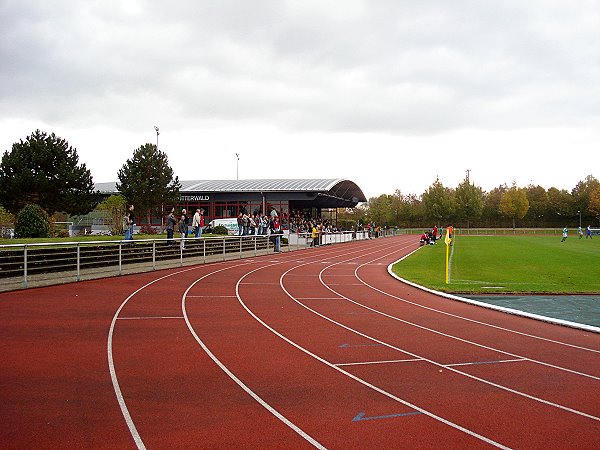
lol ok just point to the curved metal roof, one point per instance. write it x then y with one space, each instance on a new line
331 187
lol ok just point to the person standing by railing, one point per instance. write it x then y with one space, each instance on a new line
315 236
171 221
183 228
276 232
130 224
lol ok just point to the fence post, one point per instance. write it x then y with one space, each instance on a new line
223 248
120 257
25 284
78 261
204 250
240 247
153 255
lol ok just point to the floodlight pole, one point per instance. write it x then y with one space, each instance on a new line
579 212
157 133
237 167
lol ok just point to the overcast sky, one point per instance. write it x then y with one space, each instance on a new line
390 94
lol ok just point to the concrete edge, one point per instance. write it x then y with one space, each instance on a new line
516 312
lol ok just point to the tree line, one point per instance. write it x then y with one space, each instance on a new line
44 170
468 205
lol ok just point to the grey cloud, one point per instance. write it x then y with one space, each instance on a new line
394 66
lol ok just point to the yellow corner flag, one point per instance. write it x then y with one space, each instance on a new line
448 240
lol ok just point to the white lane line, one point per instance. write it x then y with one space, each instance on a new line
393 361
113 374
211 296
456 337
499 386
239 382
111 364
477 363
348 374
461 317
149 317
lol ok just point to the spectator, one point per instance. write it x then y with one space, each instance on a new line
276 232
196 223
130 224
183 228
240 224
171 221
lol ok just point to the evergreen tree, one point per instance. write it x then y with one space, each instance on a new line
44 170
147 180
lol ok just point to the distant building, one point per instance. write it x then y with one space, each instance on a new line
227 198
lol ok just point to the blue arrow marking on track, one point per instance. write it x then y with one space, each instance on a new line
360 345
361 416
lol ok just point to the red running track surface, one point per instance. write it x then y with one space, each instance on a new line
316 348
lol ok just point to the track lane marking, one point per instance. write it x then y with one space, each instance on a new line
238 381
499 386
149 317
111 365
366 363
348 374
533 336
476 363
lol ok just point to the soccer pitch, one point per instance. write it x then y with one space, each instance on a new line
508 264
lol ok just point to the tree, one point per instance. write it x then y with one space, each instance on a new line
381 210
514 203
560 204
6 222
582 193
538 202
468 199
594 208
32 222
147 180
44 170
116 205
438 202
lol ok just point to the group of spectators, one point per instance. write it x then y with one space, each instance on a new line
257 224
182 225
429 237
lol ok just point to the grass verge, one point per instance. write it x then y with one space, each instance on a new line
508 264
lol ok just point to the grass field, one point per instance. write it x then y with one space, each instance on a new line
508 264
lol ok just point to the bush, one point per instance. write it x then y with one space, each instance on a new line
148 229
220 229
32 222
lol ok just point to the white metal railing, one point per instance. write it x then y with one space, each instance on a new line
24 265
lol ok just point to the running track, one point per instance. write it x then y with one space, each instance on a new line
316 348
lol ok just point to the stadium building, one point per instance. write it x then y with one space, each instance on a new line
227 198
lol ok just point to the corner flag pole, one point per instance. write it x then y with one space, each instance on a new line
448 240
